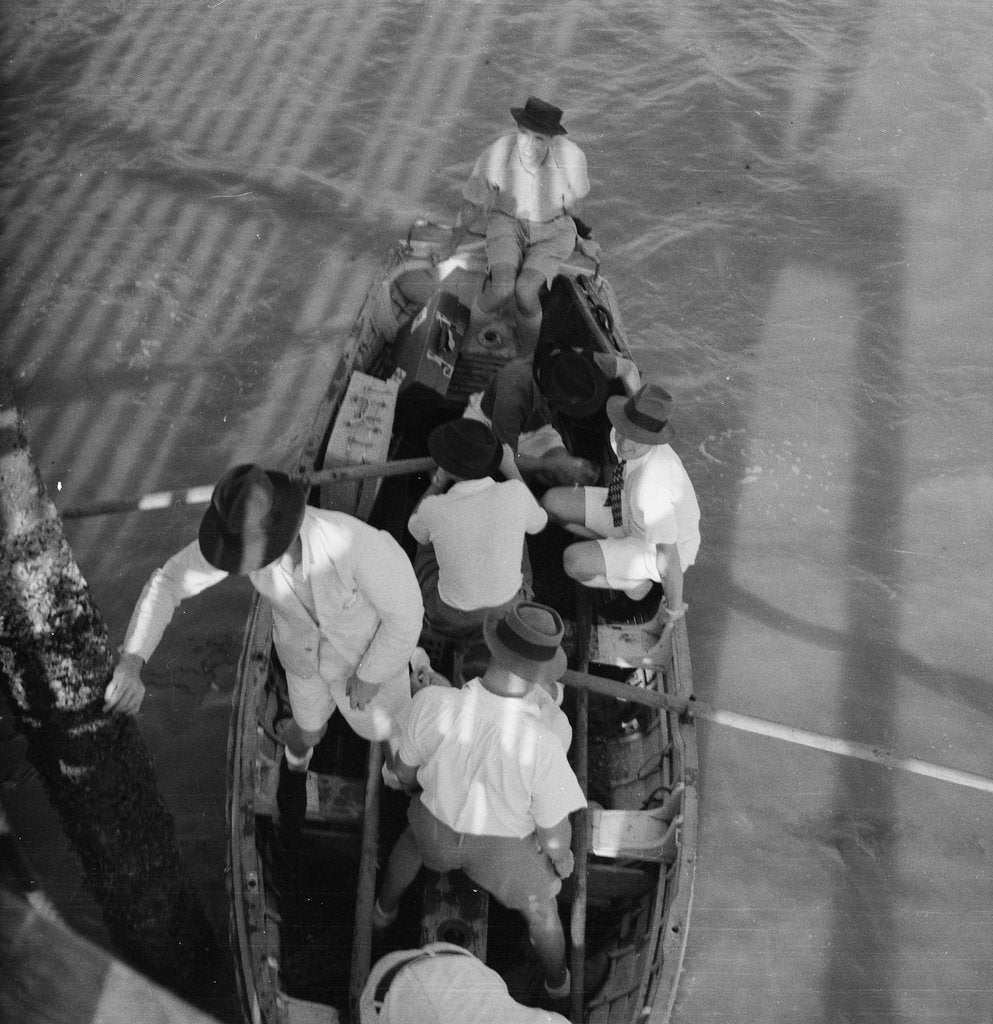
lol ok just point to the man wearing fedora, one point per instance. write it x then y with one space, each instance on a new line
645 526
529 405
529 183
497 788
346 606
471 537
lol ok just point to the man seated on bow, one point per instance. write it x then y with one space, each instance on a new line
529 183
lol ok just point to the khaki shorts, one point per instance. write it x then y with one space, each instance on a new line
514 871
530 245
626 558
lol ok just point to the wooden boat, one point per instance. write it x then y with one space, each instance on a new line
301 912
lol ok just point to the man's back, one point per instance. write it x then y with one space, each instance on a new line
477 529
486 763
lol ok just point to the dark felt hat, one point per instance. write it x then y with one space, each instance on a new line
465 448
253 518
644 416
527 641
539 116
572 384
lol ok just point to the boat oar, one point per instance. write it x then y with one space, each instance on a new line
201 495
747 723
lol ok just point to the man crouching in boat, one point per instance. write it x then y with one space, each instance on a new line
529 183
497 788
528 406
645 526
346 606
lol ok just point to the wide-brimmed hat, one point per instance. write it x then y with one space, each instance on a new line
644 416
465 448
572 383
527 641
253 518
539 116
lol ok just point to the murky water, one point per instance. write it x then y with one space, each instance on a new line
794 202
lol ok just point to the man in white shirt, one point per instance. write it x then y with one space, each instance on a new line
346 607
645 526
497 787
529 183
472 536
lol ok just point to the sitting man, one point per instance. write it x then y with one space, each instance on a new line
529 183
497 788
645 526
471 538
345 602
442 983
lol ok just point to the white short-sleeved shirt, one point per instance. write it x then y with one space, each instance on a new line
477 529
536 194
659 503
487 764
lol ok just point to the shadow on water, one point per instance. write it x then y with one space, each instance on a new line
774 205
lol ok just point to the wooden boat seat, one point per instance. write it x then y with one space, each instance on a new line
634 835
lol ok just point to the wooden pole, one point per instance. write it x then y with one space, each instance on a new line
366 887
201 495
581 837
775 730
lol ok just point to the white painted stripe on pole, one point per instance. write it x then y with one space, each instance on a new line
167 499
847 748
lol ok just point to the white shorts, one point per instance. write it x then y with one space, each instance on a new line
626 558
313 700
533 443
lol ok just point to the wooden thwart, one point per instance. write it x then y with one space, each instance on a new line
634 835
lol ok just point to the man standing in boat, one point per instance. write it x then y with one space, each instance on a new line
497 787
645 526
529 183
346 606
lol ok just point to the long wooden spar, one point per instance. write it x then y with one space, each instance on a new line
762 727
201 495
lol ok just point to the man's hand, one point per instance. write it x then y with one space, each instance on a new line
125 691
360 693
564 862
558 468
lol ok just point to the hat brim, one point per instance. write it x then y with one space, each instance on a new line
526 121
443 456
526 668
236 553
617 416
